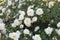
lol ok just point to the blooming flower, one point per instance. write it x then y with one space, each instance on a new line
4 31
21 12
36 28
51 3
27 22
3 10
26 31
58 0
30 12
36 37
2 26
21 26
16 21
13 25
39 11
21 17
58 31
48 31
9 2
14 35
34 19
58 24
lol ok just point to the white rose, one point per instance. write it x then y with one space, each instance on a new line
21 17
26 31
3 10
36 37
58 0
39 11
58 31
48 31
8 12
51 3
13 25
58 24
9 2
27 22
16 22
30 12
34 19
14 35
4 31
36 28
21 12
2 26
21 26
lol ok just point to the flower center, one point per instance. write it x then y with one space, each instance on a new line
30 11
14 36
49 31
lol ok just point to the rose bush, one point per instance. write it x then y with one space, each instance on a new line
29 19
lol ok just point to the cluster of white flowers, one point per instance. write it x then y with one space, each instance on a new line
24 19
16 23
